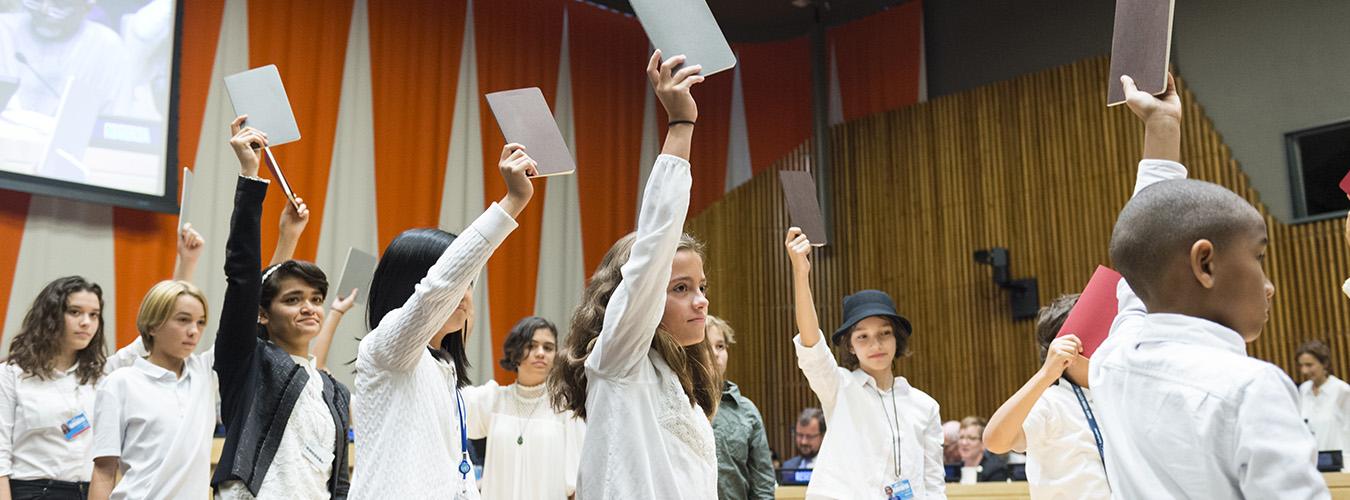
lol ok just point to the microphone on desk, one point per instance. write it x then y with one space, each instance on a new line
24 61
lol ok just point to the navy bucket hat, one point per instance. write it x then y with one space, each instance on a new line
865 304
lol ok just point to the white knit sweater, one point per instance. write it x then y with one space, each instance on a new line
404 409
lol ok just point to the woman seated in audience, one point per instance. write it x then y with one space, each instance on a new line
532 451
153 420
1324 399
977 463
47 393
885 436
286 421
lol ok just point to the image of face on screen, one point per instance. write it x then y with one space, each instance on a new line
84 90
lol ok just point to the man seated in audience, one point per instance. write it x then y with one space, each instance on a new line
977 463
810 433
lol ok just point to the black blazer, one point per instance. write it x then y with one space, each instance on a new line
992 467
259 382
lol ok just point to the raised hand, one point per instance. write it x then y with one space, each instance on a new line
190 243
246 141
343 304
516 167
1149 107
294 220
1062 354
798 249
672 87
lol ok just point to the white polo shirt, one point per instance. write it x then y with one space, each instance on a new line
160 426
1062 458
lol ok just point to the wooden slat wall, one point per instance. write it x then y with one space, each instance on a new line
1037 165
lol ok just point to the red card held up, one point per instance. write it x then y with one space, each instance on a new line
1096 309
1345 184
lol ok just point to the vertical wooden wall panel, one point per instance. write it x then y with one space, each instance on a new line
1036 165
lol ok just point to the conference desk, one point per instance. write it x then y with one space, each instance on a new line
1339 483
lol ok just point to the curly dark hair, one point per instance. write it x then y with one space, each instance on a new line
513 350
35 347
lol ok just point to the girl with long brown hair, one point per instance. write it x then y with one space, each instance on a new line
47 393
637 365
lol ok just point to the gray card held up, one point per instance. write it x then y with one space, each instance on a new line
356 273
183 203
525 118
259 94
1141 46
799 189
686 27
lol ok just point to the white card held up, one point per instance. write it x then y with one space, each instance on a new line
686 27
356 273
183 201
259 94
525 118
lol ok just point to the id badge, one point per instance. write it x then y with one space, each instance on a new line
75 426
899 490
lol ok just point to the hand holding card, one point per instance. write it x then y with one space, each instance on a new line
686 27
260 101
1096 309
525 119
799 189
1141 46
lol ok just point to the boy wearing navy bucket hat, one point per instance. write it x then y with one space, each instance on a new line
885 439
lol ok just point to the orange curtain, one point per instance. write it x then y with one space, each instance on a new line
776 85
13 218
878 59
415 54
708 155
308 43
607 117
144 245
518 42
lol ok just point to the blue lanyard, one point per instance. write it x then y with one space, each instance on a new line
1092 420
464 466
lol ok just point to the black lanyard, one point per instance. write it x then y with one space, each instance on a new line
893 425
1091 419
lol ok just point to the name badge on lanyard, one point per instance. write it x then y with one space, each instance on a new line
75 426
899 490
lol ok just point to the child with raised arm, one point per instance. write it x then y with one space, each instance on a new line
1185 412
409 417
637 365
885 438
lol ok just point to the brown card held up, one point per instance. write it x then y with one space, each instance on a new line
1141 46
799 189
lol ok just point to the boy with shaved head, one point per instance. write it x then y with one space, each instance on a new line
1185 412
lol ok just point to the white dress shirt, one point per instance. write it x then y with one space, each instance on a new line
532 451
1327 413
304 459
1184 411
404 411
159 425
857 457
32 411
1062 459
643 438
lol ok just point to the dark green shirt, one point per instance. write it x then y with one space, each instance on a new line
744 466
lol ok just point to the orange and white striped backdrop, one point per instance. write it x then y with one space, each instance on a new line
397 135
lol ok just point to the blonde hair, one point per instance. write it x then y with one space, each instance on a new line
692 364
723 328
158 306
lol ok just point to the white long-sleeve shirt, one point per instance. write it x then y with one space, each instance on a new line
405 413
1327 413
1185 413
857 458
643 439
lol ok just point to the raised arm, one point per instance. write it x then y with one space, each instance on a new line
190 246
292 225
637 304
804 303
1004 432
324 340
398 341
237 335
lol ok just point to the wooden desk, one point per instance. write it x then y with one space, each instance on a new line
1338 482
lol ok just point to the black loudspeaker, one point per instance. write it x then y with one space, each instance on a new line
1025 300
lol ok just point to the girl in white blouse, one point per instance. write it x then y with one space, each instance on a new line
885 439
532 451
407 410
47 393
637 365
